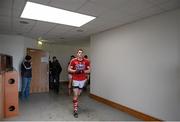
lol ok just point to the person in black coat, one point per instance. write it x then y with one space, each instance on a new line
50 74
56 71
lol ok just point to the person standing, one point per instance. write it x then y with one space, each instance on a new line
79 67
50 74
56 71
26 73
70 77
88 77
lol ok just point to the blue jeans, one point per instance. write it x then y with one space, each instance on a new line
25 87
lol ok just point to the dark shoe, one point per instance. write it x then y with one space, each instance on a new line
75 114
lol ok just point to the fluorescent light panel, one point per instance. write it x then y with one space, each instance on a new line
50 14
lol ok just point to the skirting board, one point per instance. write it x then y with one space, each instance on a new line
130 111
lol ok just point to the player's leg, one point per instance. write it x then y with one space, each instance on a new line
69 84
81 86
75 97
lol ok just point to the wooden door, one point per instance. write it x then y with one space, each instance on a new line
40 68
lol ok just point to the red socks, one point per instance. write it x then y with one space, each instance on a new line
75 104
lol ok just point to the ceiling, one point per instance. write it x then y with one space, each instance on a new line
109 13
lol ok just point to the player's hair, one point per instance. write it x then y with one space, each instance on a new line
80 50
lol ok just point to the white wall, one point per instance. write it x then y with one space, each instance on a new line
16 46
138 65
63 53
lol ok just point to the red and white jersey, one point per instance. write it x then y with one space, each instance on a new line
81 65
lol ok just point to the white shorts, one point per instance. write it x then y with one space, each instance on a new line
78 84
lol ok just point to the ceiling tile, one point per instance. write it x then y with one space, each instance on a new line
172 4
42 28
16 13
6 4
135 6
158 1
5 12
19 4
113 15
71 5
32 35
22 28
149 12
92 9
59 29
50 36
44 2
110 4
5 26
109 13
75 33
5 19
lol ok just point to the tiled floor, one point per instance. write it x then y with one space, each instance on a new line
52 107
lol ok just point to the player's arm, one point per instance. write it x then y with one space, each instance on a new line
70 68
87 71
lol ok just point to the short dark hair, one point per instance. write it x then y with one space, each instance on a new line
72 56
28 57
85 56
54 57
80 50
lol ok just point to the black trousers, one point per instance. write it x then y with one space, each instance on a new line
50 81
55 79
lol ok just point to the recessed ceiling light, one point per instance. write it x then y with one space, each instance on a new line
23 22
50 14
80 30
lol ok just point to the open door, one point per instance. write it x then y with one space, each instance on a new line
40 70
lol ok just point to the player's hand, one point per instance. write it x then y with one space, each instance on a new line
79 71
80 68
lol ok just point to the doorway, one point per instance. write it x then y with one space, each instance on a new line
40 70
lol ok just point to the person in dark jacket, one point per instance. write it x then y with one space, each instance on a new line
70 78
50 74
26 73
56 70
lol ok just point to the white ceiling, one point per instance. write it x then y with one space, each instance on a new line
109 13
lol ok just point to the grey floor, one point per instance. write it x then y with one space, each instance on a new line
52 107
